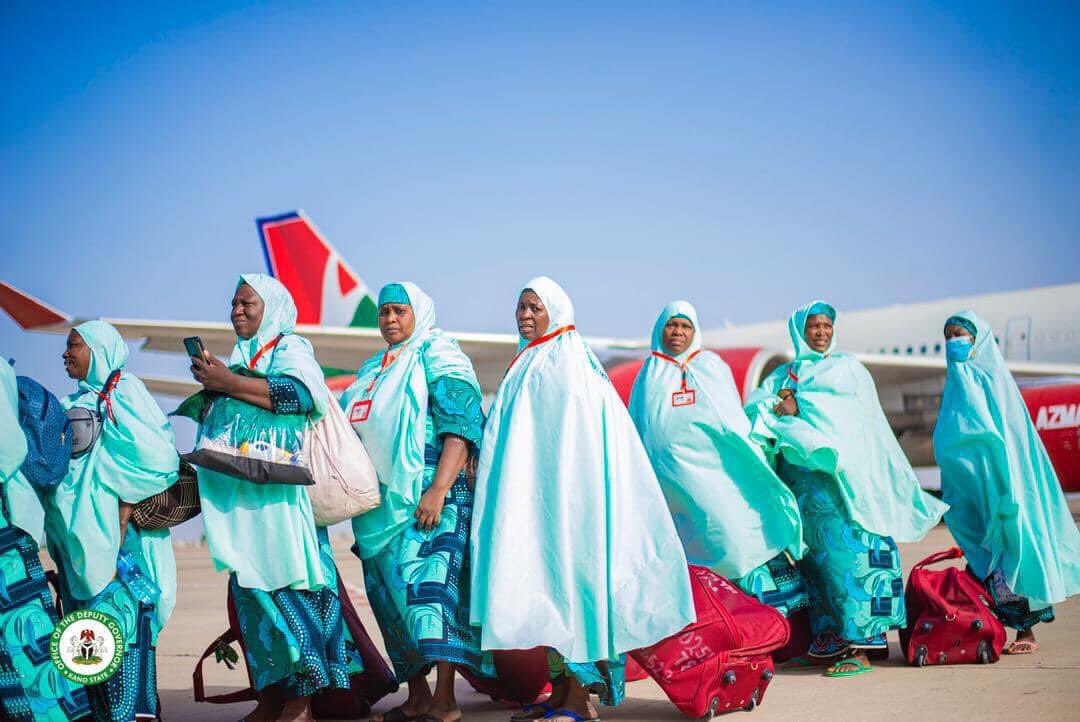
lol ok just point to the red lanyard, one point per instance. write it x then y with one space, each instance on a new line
105 395
791 375
542 339
266 347
682 365
387 359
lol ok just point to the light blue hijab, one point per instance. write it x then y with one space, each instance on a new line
133 459
393 384
1007 509
842 431
732 512
572 543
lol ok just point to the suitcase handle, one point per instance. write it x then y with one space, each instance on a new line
240 695
953 553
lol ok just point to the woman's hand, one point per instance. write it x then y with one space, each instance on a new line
211 373
429 511
787 407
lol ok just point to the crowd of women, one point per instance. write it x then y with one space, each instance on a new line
559 519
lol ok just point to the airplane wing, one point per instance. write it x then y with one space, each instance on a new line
335 347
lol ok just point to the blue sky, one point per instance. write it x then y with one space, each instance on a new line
745 156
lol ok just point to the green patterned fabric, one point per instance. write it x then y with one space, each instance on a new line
297 637
853 576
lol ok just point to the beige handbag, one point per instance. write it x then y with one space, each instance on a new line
345 480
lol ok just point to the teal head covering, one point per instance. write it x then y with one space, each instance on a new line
108 353
134 458
1007 509
388 406
293 356
562 473
964 322
797 330
676 309
731 511
394 293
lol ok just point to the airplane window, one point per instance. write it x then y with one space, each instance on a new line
895 349
883 349
937 348
922 349
909 349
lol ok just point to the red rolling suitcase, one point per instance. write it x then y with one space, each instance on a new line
950 617
722 662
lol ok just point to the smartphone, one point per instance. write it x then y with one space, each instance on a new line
195 347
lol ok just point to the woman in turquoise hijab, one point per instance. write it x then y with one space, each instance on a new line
733 514
417 408
820 418
281 569
31 688
1007 511
573 546
105 563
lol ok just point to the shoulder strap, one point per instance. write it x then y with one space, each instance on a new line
953 553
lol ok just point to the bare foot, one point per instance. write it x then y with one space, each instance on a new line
444 712
296 710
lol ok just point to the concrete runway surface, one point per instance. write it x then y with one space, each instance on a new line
1043 686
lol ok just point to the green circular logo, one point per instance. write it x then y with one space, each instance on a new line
87 646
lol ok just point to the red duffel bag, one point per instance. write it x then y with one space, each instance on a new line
722 662
950 617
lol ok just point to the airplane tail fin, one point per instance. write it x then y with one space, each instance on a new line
326 290
32 314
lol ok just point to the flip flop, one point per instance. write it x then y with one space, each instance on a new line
860 668
571 715
521 715
398 715
1024 646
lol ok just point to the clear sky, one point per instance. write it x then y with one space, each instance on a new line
745 156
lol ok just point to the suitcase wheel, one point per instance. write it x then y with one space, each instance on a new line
943 658
767 675
752 703
920 656
729 677
977 625
711 712
983 653
925 627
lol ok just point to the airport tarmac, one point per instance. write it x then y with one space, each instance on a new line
1043 686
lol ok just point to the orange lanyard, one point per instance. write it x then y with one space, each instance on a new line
538 341
682 365
387 359
269 345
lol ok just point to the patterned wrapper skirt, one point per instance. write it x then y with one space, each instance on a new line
296 638
1012 609
853 576
31 688
777 583
418 587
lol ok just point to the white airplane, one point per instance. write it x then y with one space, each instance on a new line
1039 331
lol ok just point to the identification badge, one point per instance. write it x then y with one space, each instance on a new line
683 398
360 411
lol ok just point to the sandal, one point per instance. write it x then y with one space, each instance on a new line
570 715
525 714
860 668
399 715
1022 646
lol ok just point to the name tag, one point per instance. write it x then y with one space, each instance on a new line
360 411
684 398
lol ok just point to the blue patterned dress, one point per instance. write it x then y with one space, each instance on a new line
418 585
853 576
296 638
31 688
